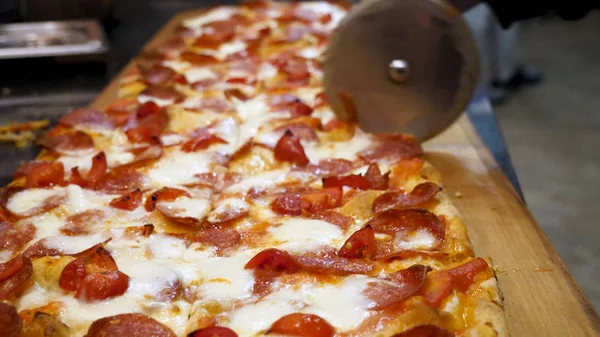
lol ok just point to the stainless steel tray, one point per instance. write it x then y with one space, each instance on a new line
52 38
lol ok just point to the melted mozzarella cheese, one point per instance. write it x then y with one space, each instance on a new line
178 168
30 199
158 101
302 235
261 180
188 207
176 65
198 74
266 71
310 52
344 150
420 239
79 200
341 304
73 244
229 205
217 14
223 278
84 163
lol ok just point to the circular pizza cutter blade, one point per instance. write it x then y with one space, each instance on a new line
401 66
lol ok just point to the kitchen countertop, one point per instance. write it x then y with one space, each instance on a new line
46 88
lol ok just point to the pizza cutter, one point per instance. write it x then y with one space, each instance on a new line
402 65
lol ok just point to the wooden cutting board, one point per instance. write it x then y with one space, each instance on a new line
540 296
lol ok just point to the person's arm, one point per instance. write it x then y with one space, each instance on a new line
509 11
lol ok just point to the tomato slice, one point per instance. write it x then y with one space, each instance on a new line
273 260
321 200
72 275
102 285
289 149
49 174
129 201
305 325
354 181
98 169
361 244
164 194
213 331
102 260
202 140
439 285
76 177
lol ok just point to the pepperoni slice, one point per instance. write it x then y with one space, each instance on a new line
273 260
164 194
328 167
330 263
213 104
150 122
72 275
24 169
301 130
404 284
163 93
361 244
157 75
426 330
13 237
354 181
202 139
132 325
204 84
421 193
215 33
294 67
392 147
338 219
378 181
287 204
291 104
80 224
120 181
13 274
213 331
461 277
221 238
40 249
289 149
88 118
305 325
144 156
102 285
10 321
129 201
198 59
172 47
402 220
49 174
69 143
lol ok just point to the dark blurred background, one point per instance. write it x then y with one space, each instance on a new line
551 129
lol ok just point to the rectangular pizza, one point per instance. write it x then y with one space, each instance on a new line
220 196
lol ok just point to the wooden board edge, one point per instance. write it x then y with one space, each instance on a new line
500 180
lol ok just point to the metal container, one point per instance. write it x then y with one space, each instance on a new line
38 10
52 39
